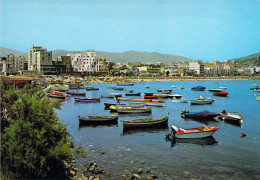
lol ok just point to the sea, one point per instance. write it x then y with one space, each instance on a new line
225 155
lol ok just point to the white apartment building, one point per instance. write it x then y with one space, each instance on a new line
87 62
40 60
197 66
11 64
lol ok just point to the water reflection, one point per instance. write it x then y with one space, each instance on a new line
208 141
84 126
133 131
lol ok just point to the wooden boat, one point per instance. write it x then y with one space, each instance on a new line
98 119
151 97
119 89
140 100
148 94
223 88
114 108
158 104
197 132
215 90
111 87
107 105
107 96
256 90
175 96
258 97
56 94
91 89
174 86
134 109
200 114
124 98
133 94
182 87
163 90
76 93
166 92
221 93
87 99
198 88
202 101
148 122
162 95
180 100
231 116
125 84
116 94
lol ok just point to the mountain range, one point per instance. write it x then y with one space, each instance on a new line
129 56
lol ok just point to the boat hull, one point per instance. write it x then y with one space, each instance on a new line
97 120
200 132
134 110
196 102
135 123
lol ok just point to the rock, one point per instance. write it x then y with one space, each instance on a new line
140 170
91 169
137 176
91 178
132 162
107 173
97 178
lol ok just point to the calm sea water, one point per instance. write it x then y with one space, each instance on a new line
226 155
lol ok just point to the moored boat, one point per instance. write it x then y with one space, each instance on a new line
176 96
91 89
148 122
223 87
76 93
133 94
124 98
181 100
134 109
198 88
148 94
221 93
163 90
151 97
231 116
215 90
107 105
107 95
147 86
255 88
114 108
202 101
125 84
158 104
87 99
197 132
119 89
162 95
56 94
199 114
140 100
98 119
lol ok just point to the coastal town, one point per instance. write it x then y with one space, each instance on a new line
40 63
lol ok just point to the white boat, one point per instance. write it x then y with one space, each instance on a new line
147 86
124 98
256 90
231 116
258 97
215 90
176 96
116 94
197 132
174 86
158 104
134 109
223 88
180 100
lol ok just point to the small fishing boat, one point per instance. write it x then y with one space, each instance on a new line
91 89
163 90
140 100
120 89
111 87
133 94
231 116
223 87
125 84
181 100
134 109
158 104
98 119
258 97
56 94
162 95
182 87
221 93
151 97
87 99
198 88
200 114
124 98
175 96
201 101
113 108
256 90
148 94
166 92
116 94
197 132
174 86
148 122
215 90
107 105
107 96
147 86
76 93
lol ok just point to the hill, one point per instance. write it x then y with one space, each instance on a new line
129 56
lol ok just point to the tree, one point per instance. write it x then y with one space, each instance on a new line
167 73
35 144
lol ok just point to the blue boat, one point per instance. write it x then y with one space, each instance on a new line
198 88
200 114
133 94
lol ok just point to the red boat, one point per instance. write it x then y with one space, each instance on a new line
150 97
221 93
56 94
148 94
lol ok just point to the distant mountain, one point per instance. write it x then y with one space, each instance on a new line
6 51
249 61
129 56
256 55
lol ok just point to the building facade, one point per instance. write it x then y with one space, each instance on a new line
10 64
197 67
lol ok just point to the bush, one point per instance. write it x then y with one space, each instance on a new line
35 144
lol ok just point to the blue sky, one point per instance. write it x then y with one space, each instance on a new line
197 29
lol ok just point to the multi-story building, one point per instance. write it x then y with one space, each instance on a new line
197 67
11 64
88 63
40 60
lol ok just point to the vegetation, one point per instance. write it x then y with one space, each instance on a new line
34 143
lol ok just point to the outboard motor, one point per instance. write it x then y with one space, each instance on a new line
185 111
